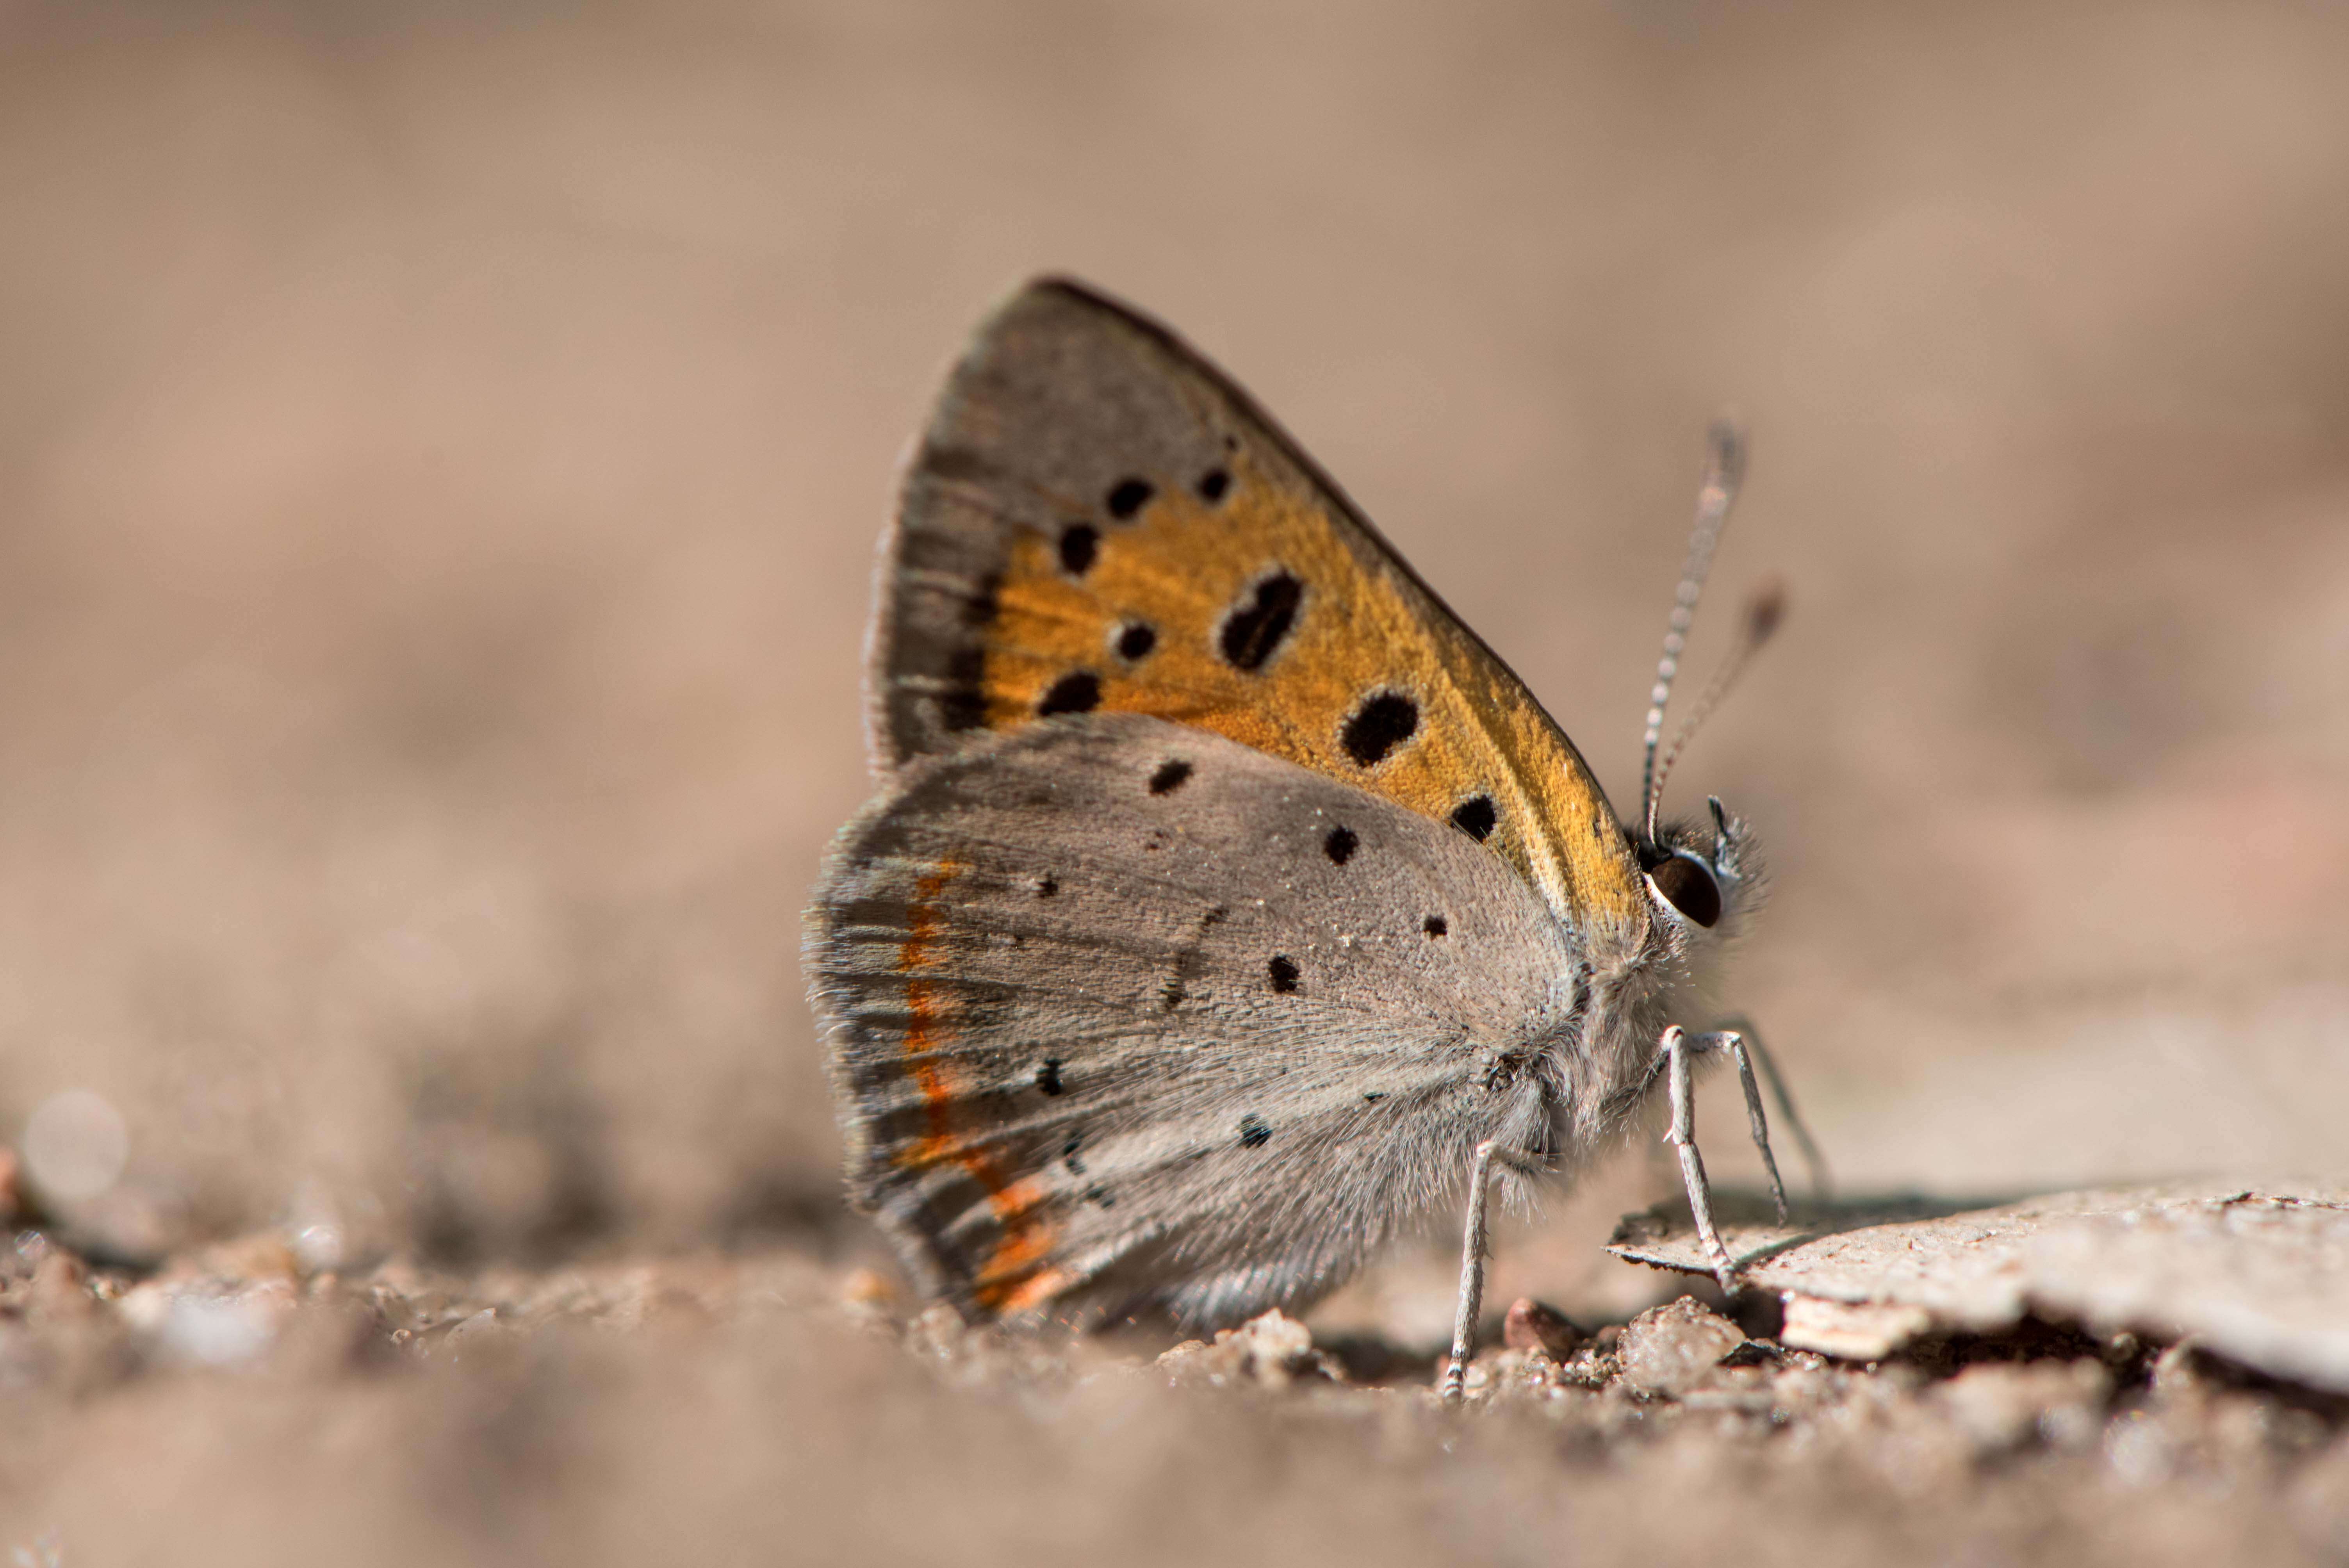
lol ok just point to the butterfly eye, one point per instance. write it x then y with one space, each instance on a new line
1689 888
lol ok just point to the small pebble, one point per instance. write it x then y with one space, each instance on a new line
1530 1326
1669 1349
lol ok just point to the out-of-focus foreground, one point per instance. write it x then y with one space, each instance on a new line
441 449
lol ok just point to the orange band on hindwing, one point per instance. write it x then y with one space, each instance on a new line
1013 1277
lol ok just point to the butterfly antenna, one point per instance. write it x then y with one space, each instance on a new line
1725 465
1763 611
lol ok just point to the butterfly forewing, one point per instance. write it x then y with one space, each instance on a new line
1098 520
1126 1014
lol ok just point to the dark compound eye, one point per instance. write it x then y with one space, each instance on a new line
1689 888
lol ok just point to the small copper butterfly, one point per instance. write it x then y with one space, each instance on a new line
1226 903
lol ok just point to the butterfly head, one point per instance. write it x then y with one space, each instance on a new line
1703 879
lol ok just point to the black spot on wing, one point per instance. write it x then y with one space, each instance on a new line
1080 546
1254 1131
1476 816
1256 626
1048 1076
1135 639
1339 845
1046 887
1435 925
1213 485
1379 725
1128 496
1079 691
1283 972
1169 777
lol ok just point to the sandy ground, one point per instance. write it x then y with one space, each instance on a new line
441 449
765 1406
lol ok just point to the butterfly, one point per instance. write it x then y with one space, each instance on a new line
1226 905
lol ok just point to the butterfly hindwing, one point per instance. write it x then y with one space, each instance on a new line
1124 1014
1098 520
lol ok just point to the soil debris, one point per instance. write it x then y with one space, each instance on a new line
1271 1350
2254 1272
1672 1348
608 1411
1531 1325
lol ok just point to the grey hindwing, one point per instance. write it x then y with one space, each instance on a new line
1124 1015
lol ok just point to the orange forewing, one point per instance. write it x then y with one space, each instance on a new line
1184 565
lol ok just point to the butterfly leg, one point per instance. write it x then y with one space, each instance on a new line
1472 1263
1678 1048
1737 1046
1816 1162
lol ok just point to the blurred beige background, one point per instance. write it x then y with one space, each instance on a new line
441 449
